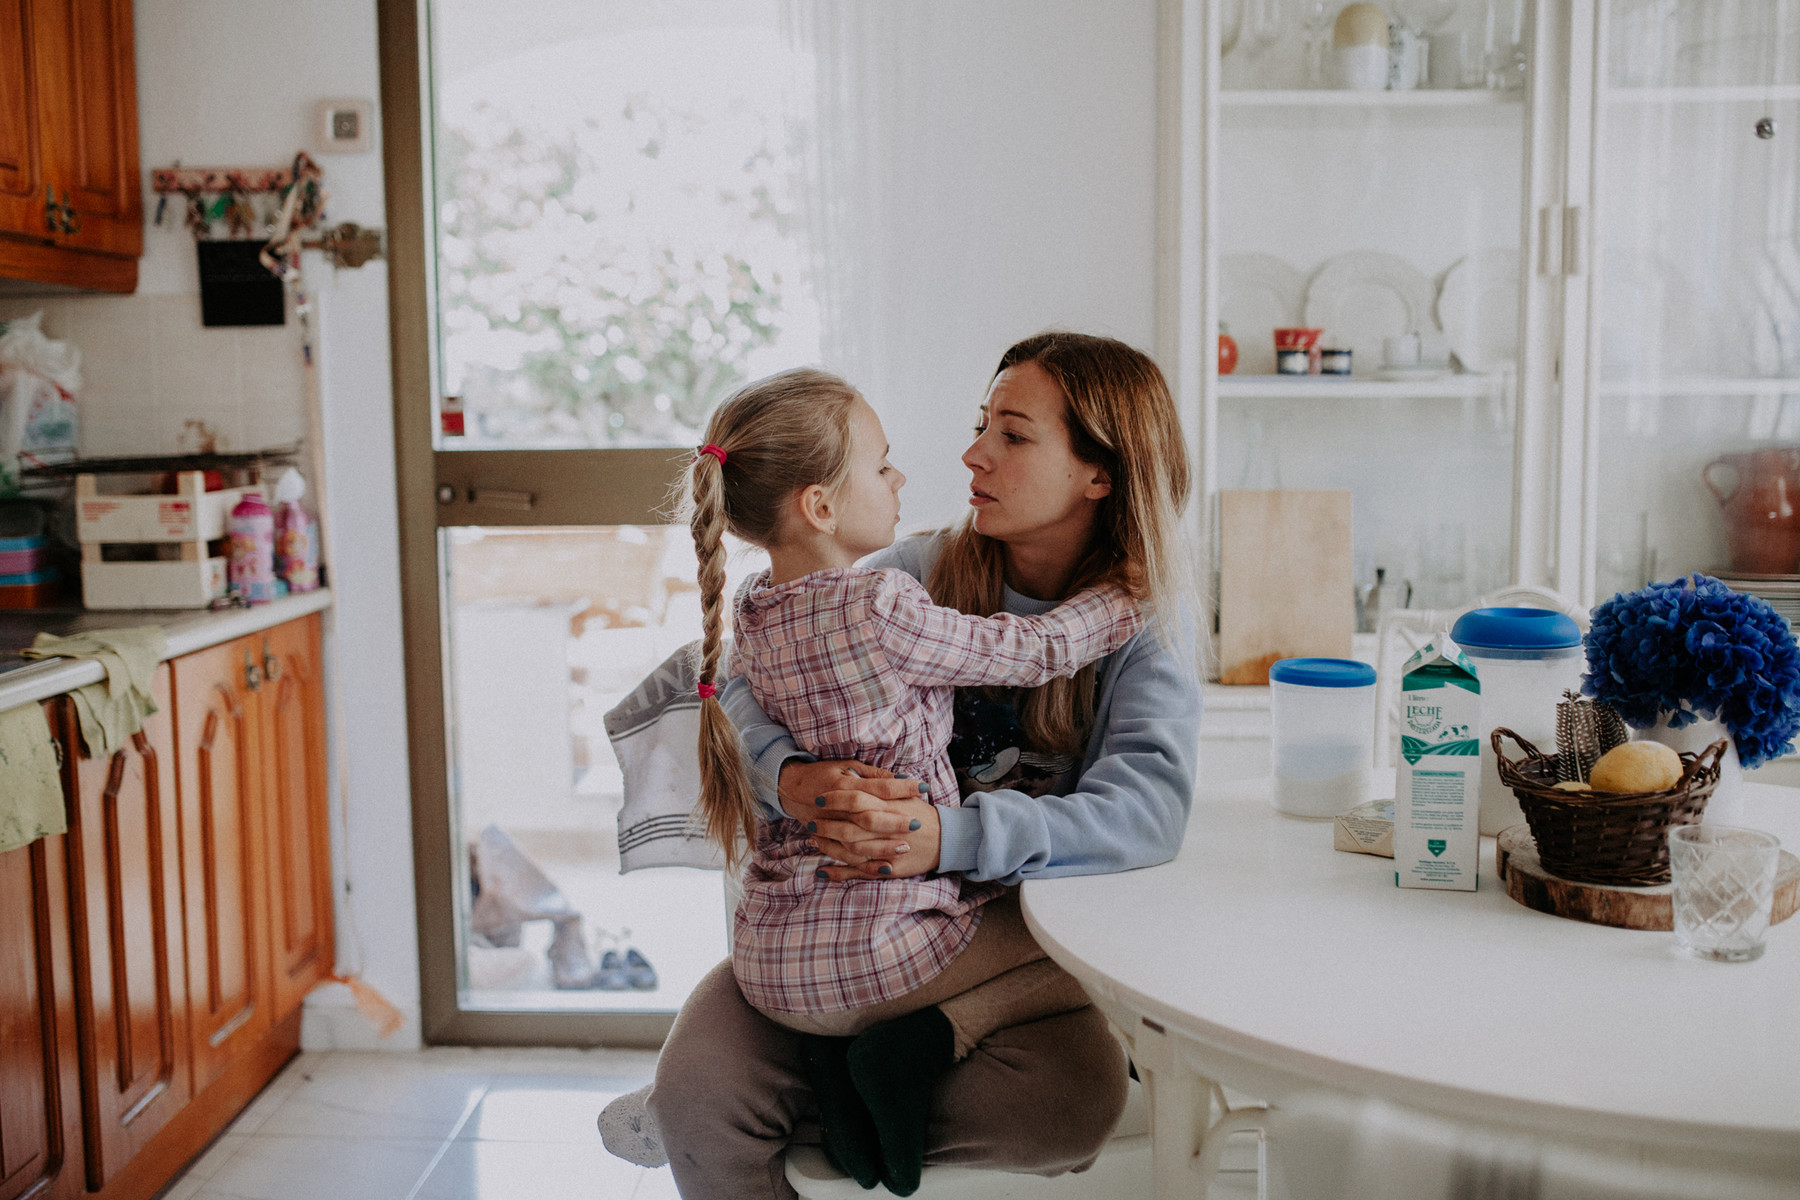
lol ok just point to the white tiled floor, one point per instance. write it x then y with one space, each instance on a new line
443 1124
450 1124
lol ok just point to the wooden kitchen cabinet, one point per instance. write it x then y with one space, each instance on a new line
298 822
71 204
40 1087
229 981
153 959
125 901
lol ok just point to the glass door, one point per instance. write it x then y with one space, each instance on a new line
1372 171
608 249
1693 377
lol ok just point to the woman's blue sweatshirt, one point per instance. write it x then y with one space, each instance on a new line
1133 788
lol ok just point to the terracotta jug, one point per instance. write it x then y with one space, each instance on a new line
1762 508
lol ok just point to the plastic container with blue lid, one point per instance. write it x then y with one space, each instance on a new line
1322 735
1526 658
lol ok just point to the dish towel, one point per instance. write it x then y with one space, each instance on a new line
31 798
655 732
114 709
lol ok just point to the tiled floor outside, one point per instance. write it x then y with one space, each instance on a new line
451 1124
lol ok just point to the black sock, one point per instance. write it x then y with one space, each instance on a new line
845 1128
896 1065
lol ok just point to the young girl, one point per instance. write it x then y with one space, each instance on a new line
859 664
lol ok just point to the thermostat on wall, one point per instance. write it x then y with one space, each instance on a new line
343 125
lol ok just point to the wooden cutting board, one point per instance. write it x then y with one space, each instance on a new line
1285 586
1527 882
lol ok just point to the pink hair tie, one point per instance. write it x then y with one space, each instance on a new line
707 691
713 450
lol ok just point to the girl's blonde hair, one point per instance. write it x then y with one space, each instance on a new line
779 436
1121 418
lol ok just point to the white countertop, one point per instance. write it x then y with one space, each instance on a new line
1262 946
187 632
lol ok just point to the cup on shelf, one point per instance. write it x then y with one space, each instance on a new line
1359 42
1401 350
1334 361
1454 61
1297 350
1723 889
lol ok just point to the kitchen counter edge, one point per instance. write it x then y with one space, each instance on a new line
186 634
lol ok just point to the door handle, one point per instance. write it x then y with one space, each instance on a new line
253 675
1574 234
502 498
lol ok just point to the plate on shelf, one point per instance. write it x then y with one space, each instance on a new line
1364 297
1258 294
1478 307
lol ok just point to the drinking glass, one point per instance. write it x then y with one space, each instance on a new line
1724 888
1316 18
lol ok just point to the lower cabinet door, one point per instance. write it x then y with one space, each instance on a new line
222 836
131 988
40 1088
296 809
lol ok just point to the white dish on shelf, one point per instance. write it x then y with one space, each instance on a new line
1478 307
1364 297
1258 294
1411 374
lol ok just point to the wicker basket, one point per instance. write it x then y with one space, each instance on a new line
1601 837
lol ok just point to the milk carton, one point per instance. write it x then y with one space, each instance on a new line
1437 832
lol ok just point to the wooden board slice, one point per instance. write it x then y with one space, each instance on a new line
1285 583
1606 904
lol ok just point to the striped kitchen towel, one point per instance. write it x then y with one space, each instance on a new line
655 733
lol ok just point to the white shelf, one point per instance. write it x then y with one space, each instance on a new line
1700 387
1344 98
1700 95
1365 387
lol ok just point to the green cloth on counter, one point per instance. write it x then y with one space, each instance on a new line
113 710
31 797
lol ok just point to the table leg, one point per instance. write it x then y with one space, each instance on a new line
1186 1139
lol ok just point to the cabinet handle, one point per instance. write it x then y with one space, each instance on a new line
71 218
1574 234
52 210
253 676
1550 240
271 666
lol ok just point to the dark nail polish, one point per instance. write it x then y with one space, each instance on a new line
812 827
924 788
821 873
885 871
819 800
900 776
914 825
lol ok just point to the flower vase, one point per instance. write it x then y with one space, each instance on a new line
1726 806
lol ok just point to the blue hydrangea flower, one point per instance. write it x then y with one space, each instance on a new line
1695 649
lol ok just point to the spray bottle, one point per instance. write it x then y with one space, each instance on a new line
296 535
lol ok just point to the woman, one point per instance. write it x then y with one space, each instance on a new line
1077 468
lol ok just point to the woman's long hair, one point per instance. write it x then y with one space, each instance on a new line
779 436
1121 418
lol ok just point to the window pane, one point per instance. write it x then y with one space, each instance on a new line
617 233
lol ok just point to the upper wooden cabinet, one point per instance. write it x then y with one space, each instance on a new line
71 202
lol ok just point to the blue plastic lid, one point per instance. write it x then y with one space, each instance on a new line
42 575
7 545
1323 672
1515 629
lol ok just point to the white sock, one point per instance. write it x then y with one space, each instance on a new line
629 1131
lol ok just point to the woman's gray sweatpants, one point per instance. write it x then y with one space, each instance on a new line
731 1093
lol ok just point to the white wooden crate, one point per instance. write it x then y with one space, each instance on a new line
191 514
191 583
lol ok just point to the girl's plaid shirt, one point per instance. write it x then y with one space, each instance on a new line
860 664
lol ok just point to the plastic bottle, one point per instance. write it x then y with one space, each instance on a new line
296 535
251 569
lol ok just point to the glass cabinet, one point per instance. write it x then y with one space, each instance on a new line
1693 329
1559 243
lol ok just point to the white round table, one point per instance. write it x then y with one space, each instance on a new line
1264 960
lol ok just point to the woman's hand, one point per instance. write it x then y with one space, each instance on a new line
863 817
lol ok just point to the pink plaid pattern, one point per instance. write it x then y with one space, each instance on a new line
859 663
